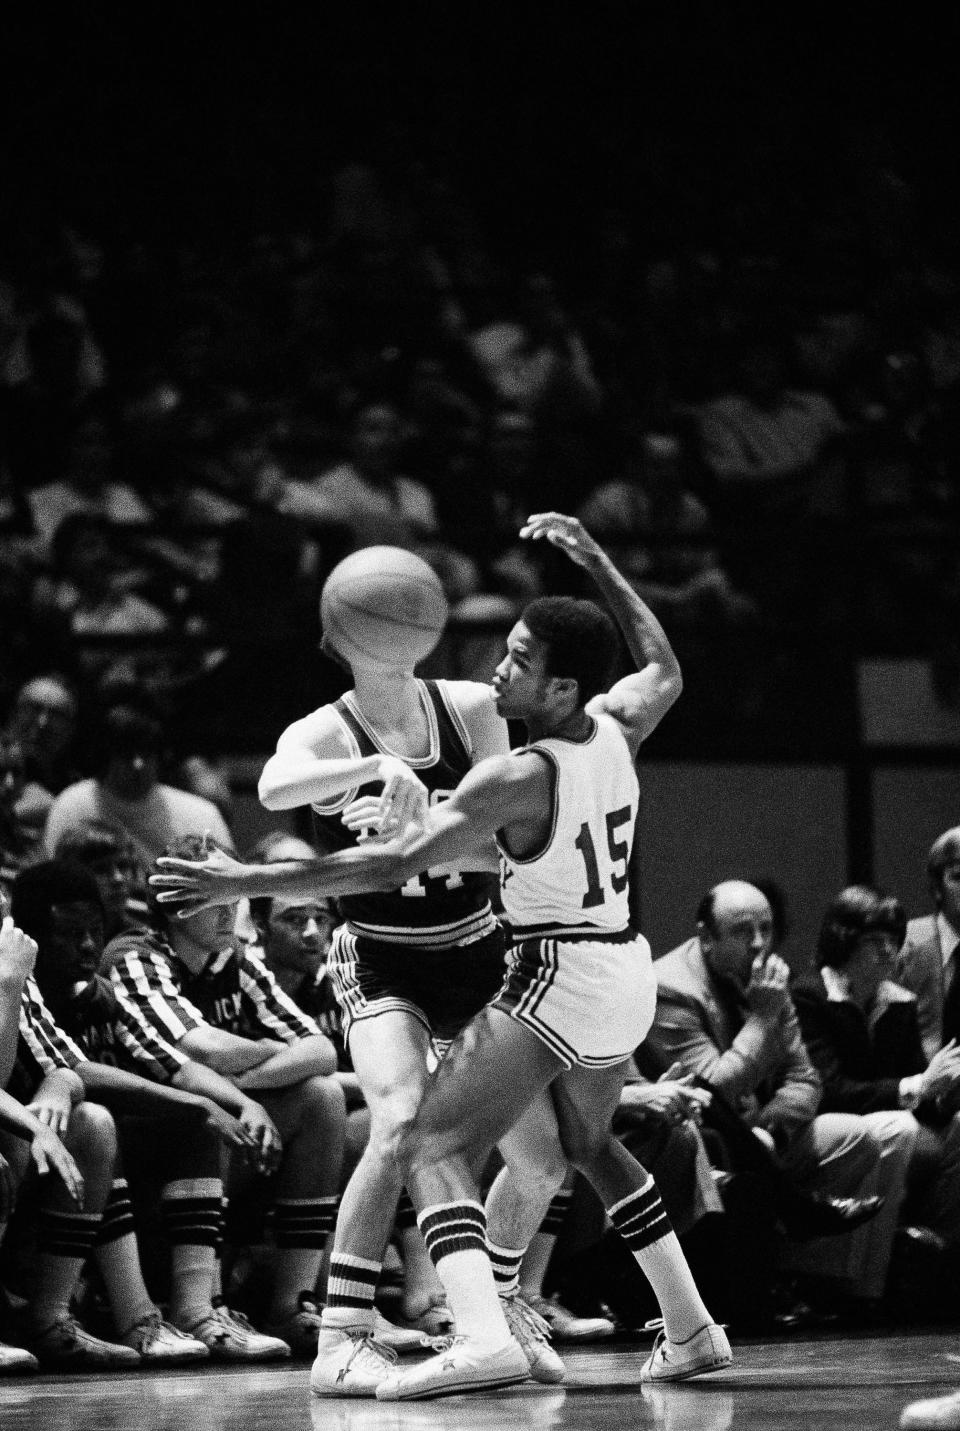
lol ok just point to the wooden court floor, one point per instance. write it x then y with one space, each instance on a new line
830 1385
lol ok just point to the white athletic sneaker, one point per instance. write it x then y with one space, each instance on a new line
707 1350
398 1339
462 1367
162 1344
940 1413
229 1336
566 1326
349 1364
533 1334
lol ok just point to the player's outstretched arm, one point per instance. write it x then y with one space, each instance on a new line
639 701
497 792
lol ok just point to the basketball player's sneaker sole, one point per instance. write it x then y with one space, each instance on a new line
707 1350
462 1367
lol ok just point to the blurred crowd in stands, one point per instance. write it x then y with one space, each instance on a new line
757 413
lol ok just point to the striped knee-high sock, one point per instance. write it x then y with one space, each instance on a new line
118 1258
505 1262
351 1288
642 1222
192 1213
64 1242
456 1237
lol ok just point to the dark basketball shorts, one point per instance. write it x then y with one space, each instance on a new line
443 988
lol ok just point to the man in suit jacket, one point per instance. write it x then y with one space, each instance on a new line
724 1013
929 959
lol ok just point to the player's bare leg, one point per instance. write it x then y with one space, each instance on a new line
585 1101
492 1072
389 1055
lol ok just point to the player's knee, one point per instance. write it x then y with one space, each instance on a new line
542 1176
321 1103
585 1146
392 1132
92 1134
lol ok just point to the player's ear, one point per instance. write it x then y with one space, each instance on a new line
566 688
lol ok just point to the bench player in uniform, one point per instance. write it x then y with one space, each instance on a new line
409 965
581 992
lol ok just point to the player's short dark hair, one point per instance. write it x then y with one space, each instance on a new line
855 911
39 887
581 641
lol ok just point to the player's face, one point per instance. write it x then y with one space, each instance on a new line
74 946
114 875
298 934
211 928
520 682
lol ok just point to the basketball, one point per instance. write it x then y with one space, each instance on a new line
383 604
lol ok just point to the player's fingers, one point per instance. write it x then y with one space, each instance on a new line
183 881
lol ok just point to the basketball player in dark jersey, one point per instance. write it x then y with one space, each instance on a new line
410 967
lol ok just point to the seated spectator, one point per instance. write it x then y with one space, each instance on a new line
172 1116
86 586
104 849
929 960
127 791
724 1014
88 487
220 1006
660 535
45 1125
43 718
862 1033
764 446
17 843
376 503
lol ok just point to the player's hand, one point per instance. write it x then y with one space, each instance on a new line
52 1106
404 799
567 533
49 1154
768 990
229 1129
942 1072
261 1132
18 953
192 885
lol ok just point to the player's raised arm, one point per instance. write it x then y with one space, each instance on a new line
639 701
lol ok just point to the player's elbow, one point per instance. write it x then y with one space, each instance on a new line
270 791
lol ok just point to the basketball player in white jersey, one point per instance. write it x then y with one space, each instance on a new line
581 992
408 965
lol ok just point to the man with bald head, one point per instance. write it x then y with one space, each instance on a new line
930 958
724 1013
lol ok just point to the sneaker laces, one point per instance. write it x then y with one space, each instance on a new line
148 1329
526 1320
366 1347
